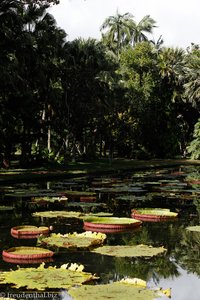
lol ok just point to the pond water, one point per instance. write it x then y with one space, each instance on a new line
176 188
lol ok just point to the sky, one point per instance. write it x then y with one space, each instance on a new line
178 21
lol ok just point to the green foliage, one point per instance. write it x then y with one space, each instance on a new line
66 100
194 147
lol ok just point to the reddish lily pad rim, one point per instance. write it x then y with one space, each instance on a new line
121 223
153 214
28 261
12 253
28 230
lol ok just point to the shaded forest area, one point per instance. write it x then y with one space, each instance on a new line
122 96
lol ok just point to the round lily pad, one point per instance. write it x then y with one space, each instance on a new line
149 214
75 240
30 230
27 253
42 278
193 228
6 208
57 214
132 289
130 251
27 261
110 222
88 199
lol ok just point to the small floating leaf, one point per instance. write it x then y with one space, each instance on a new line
131 251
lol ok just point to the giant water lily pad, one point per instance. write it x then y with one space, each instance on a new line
42 278
25 252
85 204
193 228
74 240
57 214
18 231
130 251
126 289
6 208
160 214
111 222
61 199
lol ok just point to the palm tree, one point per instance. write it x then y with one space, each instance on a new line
170 62
118 31
192 77
122 30
139 31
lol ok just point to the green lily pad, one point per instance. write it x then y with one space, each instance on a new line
110 220
75 240
6 208
154 212
50 199
117 291
102 223
85 204
100 214
193 228
2 298
130 251
42 278
25 252
58 214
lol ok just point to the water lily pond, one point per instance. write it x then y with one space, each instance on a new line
100 250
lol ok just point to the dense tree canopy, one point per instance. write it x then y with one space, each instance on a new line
123 95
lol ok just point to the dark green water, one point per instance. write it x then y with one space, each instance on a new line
178 269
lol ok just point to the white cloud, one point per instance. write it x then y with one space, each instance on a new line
177 20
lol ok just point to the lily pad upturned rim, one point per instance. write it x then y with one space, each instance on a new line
110 222
28 261
37 253
153 214
28 230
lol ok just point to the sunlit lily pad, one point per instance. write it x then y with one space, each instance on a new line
25 252
146 214
100 214
57 214
75 240
85 204
130 251
111 222
6 208
46 199
7 298
132 289
42 278
194 228
28 230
